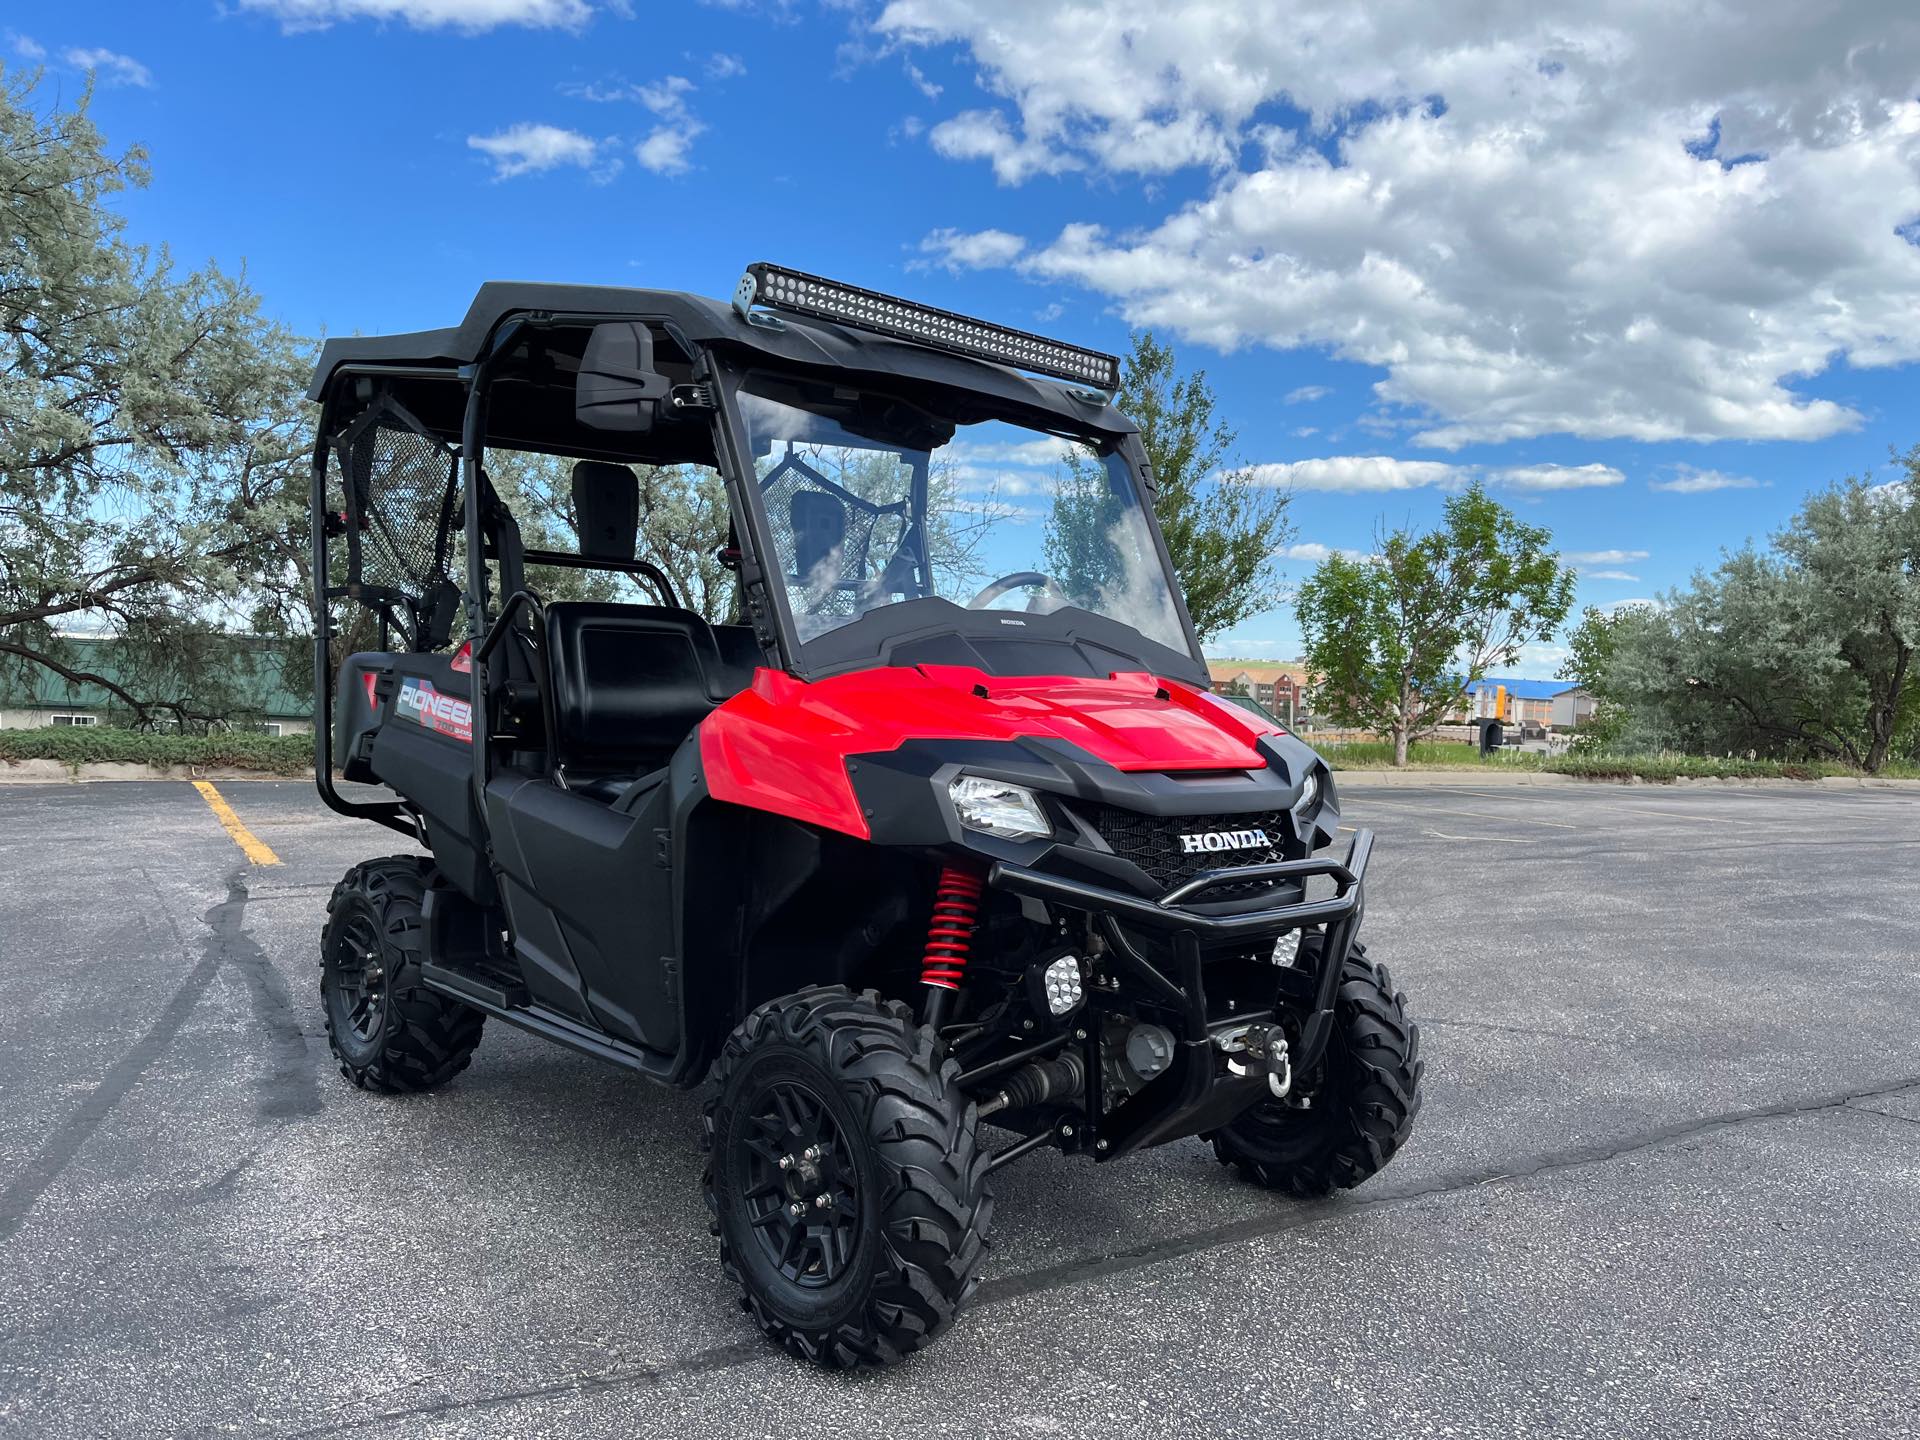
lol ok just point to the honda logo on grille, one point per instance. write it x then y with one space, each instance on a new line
1225 840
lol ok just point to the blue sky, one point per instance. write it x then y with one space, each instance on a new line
1651 278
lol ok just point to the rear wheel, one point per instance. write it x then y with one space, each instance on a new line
1341 1125
844 1177
386 1028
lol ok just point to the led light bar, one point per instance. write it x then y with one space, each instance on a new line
802 294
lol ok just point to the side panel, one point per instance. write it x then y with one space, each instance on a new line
589 893
404 720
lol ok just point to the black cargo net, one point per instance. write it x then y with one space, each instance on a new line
826 538
402 496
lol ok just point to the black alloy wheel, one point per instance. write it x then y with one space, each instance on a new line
356 980
801 1186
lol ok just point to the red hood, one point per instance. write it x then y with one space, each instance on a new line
783 744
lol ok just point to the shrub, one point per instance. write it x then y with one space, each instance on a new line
85 745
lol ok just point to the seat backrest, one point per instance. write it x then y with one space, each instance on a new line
629 681
606 509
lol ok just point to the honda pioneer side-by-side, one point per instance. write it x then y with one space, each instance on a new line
926 847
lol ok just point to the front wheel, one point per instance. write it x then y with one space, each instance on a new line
844 1176
1342 1124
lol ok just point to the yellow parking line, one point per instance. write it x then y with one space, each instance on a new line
251 844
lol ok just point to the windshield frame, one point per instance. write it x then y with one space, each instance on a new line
870 640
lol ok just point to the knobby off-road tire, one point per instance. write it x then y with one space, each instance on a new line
386 1028
1362 1110
893 1206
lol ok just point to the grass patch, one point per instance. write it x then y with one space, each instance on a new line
77 745
1427 755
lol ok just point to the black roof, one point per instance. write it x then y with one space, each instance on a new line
800 341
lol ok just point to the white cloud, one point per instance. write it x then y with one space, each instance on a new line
983 135
1305 394
110 66
26 47
1689 481
1528 217
964 250
667 97
721 66
1313 552
1539 661
666 149
469 15
1357 474
1606 575
1361 474
1640 602
527 149
1603 557
1557 477
926 87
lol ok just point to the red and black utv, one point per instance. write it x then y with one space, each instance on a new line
929 829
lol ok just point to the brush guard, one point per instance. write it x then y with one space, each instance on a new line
1190 1097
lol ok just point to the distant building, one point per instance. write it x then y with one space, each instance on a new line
1522 704
1282 689
46 698
1571 709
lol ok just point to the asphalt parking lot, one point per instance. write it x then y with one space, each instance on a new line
1667 1180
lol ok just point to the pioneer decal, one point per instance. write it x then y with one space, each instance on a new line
1225 840
442 714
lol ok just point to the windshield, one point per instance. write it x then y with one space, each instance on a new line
871 503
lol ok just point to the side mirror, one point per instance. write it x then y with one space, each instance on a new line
618 388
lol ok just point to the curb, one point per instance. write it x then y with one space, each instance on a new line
58 772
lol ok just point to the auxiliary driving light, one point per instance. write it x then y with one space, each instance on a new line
801 294
1287 948
1063 984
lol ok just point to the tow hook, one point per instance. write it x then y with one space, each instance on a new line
1257 1049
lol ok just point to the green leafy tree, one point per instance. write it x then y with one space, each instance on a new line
1395 639
149 432
1805 649
1222 527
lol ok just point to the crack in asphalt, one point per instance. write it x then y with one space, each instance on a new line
1095 1267
1882 1114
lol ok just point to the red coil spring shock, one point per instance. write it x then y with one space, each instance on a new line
956 909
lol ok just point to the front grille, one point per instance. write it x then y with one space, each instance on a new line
1153 843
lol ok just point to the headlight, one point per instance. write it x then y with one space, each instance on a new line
1309 792
994 807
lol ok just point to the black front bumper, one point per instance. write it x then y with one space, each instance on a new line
1193 1095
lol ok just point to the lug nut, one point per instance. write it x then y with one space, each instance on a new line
812 1152
1066 1129
796 1210
1099 1144
786 1162
821 1202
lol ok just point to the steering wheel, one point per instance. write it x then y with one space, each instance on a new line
1019 580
